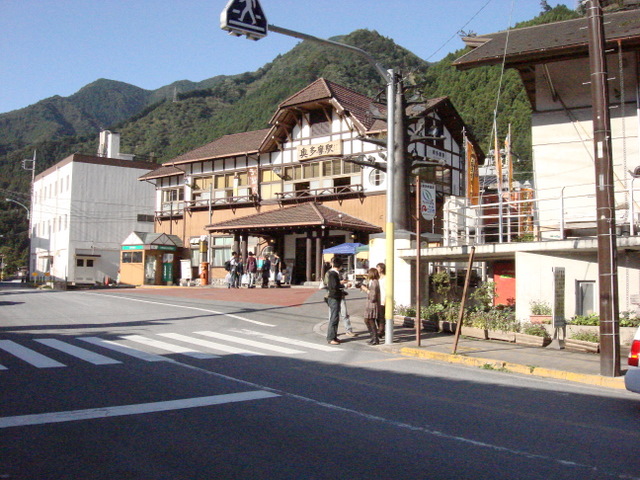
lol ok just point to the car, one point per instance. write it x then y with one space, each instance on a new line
632 377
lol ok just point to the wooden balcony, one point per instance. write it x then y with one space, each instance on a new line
327 193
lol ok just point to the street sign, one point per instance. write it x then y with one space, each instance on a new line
428 200
244 17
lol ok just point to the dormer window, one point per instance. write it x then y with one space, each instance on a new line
320 123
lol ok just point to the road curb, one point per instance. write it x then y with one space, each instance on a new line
608 382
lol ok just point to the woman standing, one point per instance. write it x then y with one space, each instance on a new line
372 310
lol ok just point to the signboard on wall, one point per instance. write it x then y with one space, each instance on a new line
309 152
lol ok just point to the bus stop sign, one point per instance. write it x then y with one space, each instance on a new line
244 17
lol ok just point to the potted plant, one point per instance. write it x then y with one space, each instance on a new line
540 312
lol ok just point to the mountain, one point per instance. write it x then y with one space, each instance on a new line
153 124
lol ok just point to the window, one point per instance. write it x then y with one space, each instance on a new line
270 184
585 291
131 257
145 218
173 195
220 250
79 262
376 177
90 263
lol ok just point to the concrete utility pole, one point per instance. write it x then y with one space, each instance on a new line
606 222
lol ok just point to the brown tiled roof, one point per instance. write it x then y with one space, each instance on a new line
299 217
226 146
549 42
322 89
165 170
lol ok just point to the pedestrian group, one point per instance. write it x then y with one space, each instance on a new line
255 271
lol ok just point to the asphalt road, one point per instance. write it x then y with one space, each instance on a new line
154 384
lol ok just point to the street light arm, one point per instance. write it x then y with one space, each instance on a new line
22 205
303 36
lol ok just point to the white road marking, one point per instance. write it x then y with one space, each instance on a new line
78 352
137 409
208 344
34 358
291 341
215 312
170 347
132 352
251 343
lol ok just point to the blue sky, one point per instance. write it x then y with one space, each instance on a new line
55 47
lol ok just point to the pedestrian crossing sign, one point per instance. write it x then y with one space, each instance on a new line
244 17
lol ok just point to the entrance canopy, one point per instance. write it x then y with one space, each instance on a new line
296 219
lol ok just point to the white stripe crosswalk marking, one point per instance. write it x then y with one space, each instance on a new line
168 346
251 343
208 344
132 352
291 341
77 352
34 358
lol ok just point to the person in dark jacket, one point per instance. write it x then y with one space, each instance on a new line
265 271
335 294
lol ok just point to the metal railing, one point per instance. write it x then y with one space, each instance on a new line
307 193
512 218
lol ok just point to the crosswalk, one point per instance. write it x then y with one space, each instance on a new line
204 345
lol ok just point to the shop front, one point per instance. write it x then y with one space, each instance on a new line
150 259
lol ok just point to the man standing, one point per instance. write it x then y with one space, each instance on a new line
252 268
335 294
236 267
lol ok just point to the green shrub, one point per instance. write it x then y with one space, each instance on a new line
629 319
539 307
482 297
534 329
431 311
405 310
586 337
590 320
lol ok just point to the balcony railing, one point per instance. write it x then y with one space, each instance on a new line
222 202
307 194
516 217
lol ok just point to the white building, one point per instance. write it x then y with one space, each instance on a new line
553 63
82 209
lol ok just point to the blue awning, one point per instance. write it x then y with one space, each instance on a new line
343 249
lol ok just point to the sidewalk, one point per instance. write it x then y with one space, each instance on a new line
496 355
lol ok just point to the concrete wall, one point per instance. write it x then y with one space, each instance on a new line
535 279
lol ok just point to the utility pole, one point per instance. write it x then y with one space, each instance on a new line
606 222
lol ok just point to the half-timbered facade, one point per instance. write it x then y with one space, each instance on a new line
310 181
